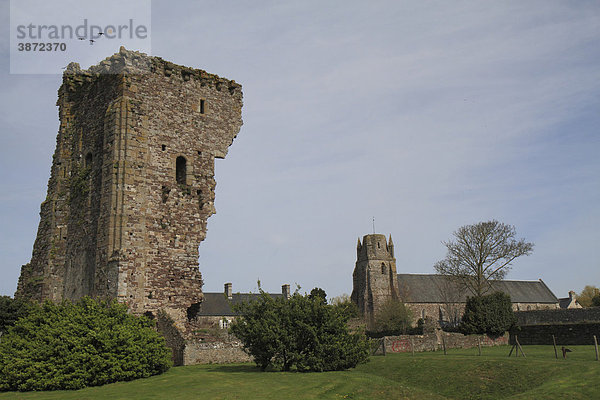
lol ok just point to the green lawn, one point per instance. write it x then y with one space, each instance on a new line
462 374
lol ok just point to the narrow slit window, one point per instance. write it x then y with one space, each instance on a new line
202 101
180 170
88 159
164 147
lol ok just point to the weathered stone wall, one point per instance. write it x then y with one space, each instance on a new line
117 221
434 341
570 315
214 345
214 353
166 326
375 278
437 312
445 313
564 334
535 306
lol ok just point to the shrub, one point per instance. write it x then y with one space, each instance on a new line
491 314
74 345
11 310
301 332
393 318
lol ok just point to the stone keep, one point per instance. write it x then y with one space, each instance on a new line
131 185
375 279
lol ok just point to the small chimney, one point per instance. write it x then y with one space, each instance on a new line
285 291
228 290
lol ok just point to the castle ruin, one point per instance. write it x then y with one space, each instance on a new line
132 185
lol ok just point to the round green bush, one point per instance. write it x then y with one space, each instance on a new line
74 345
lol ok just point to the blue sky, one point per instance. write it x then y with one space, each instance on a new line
426 115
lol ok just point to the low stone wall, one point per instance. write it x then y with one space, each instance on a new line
214 353
561 316
434 341
565 334
213 346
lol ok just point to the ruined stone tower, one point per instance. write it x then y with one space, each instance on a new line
131 185
375 279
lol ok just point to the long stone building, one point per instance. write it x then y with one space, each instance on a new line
132 186
376 281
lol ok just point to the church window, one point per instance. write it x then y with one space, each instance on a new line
180 167
202 106
383 269
88 159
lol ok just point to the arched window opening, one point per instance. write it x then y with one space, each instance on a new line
180 173
88 160
383 271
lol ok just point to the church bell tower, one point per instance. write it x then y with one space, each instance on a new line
374 279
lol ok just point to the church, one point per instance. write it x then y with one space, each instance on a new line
376 281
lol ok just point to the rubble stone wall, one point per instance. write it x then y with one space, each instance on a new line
570 315
434 341
564 334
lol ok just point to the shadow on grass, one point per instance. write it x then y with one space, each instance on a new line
249 368
233 368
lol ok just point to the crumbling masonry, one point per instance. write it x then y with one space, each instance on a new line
132 185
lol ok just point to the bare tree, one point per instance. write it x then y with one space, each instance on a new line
452 301
481 253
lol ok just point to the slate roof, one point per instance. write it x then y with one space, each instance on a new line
432 288
217 304
564 302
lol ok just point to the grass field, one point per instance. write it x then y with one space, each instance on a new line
461 374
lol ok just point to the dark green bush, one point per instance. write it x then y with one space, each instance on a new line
490 314
74 345
11 310
302 333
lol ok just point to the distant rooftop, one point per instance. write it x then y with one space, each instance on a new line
217 304
220 304
417 288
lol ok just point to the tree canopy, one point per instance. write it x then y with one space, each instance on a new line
302 332
587 296
318 293
481 253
